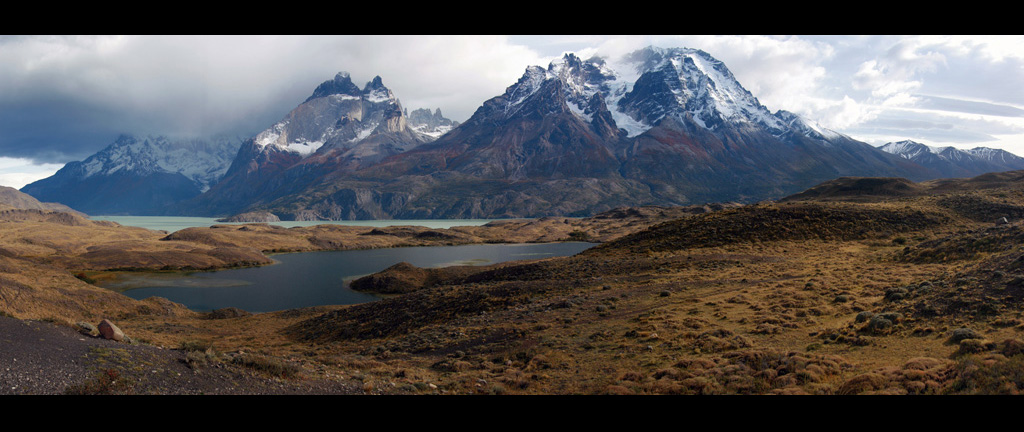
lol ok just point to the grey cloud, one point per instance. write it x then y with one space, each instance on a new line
925 135
65 97
84 91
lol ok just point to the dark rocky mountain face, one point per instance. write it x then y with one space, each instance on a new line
662 126
339 129
579 137
340 85
693 149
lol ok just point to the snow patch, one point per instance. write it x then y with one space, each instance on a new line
619 87
343 97
526 87
906 149
378 96
578 111
939 150
434 133
272 135
631 126
365 132
304 148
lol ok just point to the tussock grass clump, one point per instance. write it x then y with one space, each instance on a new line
989 374
744 372
266 364
195 345
718 340
198 353
921 375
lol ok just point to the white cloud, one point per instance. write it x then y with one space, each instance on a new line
18 172
839 114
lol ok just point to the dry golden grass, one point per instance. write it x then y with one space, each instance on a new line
802 298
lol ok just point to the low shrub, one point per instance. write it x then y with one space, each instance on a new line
106 382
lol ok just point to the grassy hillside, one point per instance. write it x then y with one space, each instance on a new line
917 293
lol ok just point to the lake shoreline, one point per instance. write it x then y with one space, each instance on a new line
324 275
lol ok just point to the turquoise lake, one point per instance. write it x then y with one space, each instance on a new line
174 223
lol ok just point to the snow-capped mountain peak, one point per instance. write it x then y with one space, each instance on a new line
911 150
907 149
375 92
643 87
691 82
994 155
337 112
954 162
341 85
201 161
527 85
139 175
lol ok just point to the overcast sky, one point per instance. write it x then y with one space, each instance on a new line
63 98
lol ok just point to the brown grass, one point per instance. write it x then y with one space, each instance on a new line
802 298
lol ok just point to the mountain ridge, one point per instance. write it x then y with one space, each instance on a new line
552 144
659 126
952 162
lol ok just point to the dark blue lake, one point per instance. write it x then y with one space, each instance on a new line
317 278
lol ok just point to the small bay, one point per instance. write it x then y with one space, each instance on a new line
317 278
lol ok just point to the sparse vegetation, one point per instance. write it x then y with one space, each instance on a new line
905 295
989 374
577 235
84 278
105 382
265 364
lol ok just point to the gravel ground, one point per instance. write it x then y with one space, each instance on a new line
40 358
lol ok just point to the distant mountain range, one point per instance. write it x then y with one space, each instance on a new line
138 175
659 126
951 162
